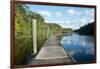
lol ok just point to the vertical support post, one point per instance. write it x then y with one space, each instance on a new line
34 36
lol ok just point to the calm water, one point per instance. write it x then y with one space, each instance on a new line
80 47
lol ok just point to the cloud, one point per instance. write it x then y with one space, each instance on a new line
84 21
51 21
58 13
58 21
92 13
45 13
89 13
92 20
73 12
65 23
48 13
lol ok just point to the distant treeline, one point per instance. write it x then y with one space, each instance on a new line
67 30
86 30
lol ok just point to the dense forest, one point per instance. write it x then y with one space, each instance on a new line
86 30
23 40
23 32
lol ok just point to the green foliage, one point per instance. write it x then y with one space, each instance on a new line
86 30
23 32
67 31
23 35
56 29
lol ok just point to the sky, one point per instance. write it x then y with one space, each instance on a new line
65 16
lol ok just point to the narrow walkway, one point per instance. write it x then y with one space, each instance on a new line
52 53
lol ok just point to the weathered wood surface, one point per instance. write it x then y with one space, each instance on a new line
52 53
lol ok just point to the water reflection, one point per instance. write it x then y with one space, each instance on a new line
80 47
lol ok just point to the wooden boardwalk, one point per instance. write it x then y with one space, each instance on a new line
52 53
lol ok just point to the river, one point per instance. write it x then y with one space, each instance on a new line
80 47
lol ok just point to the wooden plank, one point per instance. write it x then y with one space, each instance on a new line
52 53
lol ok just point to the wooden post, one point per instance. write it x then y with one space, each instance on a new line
34 36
